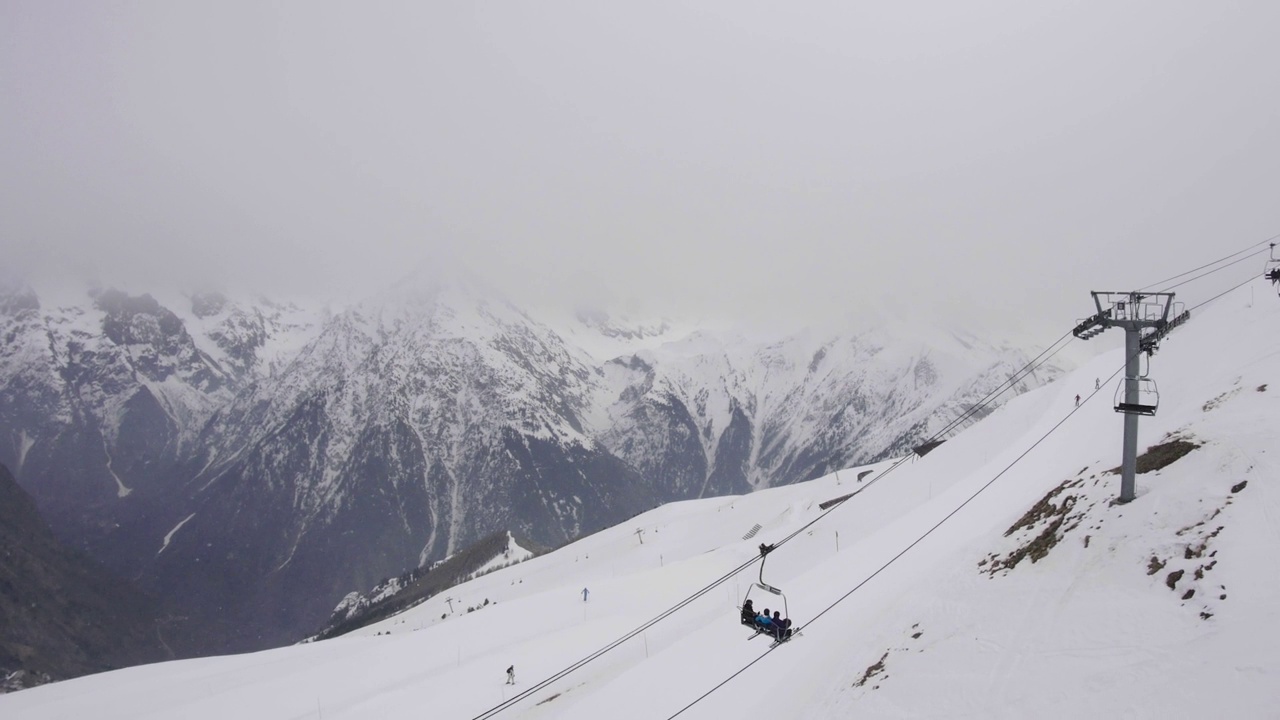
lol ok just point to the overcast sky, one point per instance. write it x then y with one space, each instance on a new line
716 157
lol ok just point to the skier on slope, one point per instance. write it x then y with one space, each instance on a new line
511 675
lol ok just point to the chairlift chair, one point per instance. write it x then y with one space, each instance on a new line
1272 269
1148 397
764 586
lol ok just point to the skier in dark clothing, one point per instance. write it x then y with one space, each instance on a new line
748 613
511 675
775 625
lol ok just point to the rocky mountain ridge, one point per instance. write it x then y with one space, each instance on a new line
395 595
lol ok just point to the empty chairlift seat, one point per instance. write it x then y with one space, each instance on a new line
1147 400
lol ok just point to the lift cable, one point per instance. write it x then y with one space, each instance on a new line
1030 367
1271 239
904 551
593 656
1224 292
1210 272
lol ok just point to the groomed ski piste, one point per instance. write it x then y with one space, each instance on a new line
1168 606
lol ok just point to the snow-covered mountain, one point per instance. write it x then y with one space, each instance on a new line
102 395
719 418
260 461
994 577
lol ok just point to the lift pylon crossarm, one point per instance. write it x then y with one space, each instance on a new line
1144 309
1092 325
1151 342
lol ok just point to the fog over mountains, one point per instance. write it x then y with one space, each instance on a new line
255 461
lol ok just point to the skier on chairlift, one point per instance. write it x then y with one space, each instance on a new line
763 621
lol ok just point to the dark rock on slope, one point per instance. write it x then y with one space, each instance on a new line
60 614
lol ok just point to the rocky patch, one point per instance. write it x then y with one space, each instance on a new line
1193 558
1218 401
876 673
1162 455
1041 528
873 670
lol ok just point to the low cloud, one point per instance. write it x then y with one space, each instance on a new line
734 160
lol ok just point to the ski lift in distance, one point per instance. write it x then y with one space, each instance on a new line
764 586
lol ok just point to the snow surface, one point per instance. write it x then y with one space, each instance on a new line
121 491
25 443
1085 631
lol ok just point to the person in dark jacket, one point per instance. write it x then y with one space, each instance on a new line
775 625
748 613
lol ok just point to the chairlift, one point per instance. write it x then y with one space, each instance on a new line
1148 397
764 586
1272 269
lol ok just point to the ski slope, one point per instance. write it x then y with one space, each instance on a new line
1090 629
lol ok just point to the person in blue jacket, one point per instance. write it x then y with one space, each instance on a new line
763 621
